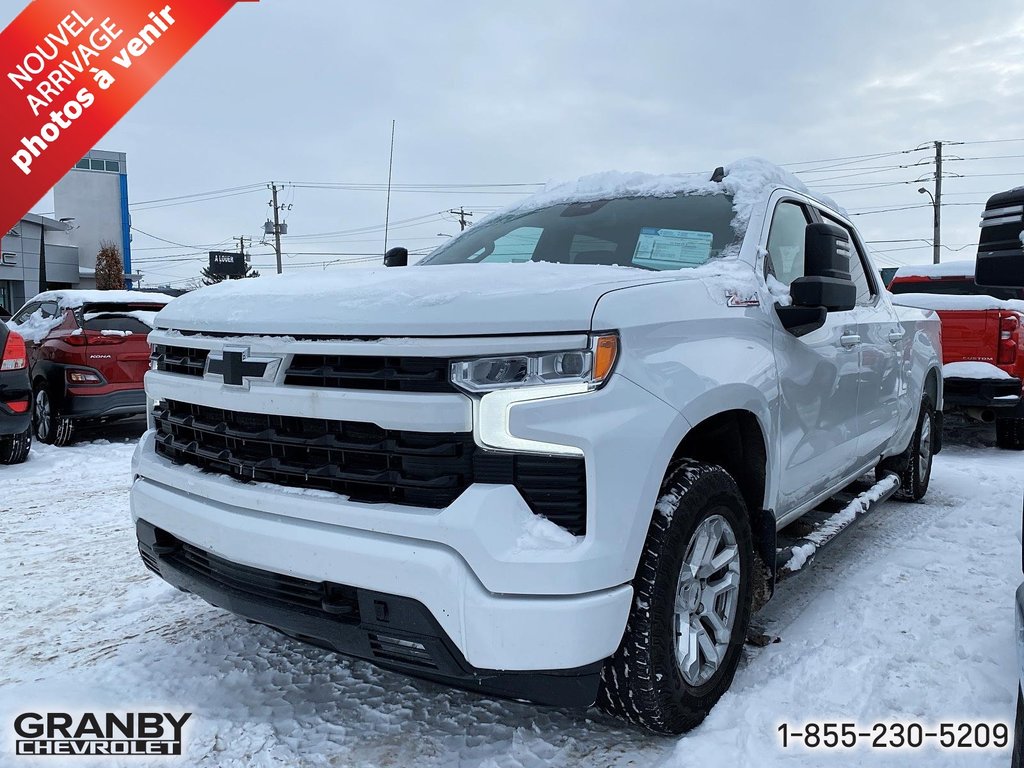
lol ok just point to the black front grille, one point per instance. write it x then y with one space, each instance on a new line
363 461
338 600
400 374
394 374
186 360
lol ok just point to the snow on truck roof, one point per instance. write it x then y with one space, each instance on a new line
74 299
748 180
945 269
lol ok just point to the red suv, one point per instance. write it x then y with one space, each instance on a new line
15 430
88 355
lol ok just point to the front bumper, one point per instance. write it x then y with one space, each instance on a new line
981 393
125 402
491 630
15 387
394 632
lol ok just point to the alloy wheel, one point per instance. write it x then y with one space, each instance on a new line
707 598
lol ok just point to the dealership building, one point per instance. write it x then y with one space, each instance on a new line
91 208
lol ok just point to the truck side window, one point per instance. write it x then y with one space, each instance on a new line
786 242
865 289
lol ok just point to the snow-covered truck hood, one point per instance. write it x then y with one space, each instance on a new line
443 300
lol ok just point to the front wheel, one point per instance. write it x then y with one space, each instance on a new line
50 427
691 607
14 448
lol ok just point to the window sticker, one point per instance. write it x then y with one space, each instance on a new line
672 248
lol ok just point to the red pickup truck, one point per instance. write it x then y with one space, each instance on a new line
983 365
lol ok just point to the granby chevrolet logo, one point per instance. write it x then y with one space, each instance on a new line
128 733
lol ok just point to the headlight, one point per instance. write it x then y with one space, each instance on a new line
579 366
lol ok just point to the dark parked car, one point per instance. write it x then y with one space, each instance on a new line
15 398
1000 264
88 354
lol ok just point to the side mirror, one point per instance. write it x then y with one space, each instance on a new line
826 285
396 257
1000 250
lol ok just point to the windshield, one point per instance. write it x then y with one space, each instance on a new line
955 288
656 233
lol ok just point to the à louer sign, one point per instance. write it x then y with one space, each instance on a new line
70 69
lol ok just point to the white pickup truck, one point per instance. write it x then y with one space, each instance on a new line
550 461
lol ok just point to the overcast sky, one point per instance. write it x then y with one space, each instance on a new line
518 93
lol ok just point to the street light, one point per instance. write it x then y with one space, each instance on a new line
935 224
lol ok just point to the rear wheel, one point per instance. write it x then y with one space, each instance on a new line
691 607
14 448
1010 434
50 427
914 465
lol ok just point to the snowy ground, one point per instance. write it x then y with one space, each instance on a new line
909 615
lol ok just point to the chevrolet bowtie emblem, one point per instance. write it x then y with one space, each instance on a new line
235 366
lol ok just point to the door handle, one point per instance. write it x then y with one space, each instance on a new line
849 339
896 336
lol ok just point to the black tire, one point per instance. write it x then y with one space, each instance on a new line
1010 434
1017 758
643 682
50 427
914 465
14 448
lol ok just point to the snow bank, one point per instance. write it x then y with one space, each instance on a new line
748 180
972 369
949 302
945 269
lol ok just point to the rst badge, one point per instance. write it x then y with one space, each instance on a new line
107 733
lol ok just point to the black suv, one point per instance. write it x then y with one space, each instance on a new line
15 398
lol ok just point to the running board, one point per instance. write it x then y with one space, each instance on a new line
801 541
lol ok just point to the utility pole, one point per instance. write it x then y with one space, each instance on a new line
937 204
461 213
241 243
276 225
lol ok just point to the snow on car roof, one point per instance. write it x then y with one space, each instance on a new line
74 299
748 180
953 302
945 269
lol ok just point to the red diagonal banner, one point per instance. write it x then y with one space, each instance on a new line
70 69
